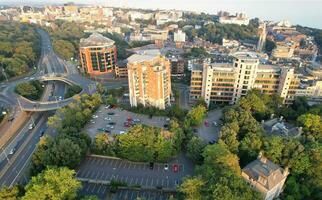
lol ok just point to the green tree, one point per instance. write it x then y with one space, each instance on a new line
196 115
312 125
104 144
53 183
195 148
273 147
228 134
9 193
64 48
192 187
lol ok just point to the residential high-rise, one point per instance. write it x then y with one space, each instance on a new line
97 54
227 82
149 77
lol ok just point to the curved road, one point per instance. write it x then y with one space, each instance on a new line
13 167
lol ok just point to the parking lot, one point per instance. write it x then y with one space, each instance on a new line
102 192
113 121
209 129
101 169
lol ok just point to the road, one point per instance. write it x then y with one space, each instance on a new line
25 142
183 95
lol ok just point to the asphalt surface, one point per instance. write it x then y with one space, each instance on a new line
102 192
118 118
209 129
103 170
25 142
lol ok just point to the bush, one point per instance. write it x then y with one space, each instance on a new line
72 90
31 90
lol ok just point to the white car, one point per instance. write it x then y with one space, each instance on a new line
122 132
107 118
166 167
12 151
31 126
94 116
107 107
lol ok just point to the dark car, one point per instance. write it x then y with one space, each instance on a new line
151 165
212 142
111 123
110 113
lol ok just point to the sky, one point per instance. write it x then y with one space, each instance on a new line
303 12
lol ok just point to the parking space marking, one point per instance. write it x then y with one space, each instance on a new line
116 163
167 182
136 181
151 181
131 181
116 177
141 181
104 188
98 173
106 176
93 188
157 182
126 179
162 182
146 181
112 161
101 177
99 188
87 188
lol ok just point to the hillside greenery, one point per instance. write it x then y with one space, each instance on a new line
19 49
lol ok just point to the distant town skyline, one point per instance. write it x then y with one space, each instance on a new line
300 12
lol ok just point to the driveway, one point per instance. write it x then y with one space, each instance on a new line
210 132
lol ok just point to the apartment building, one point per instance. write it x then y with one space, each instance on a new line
227 82
149 78
239 18
97 54
283 50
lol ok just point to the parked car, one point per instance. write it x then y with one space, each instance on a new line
127 124
110 113
175 168
206 123
166 167
151 165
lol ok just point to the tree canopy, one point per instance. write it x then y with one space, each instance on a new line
53 183
19 48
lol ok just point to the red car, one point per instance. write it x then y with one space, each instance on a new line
206 123
129 119
127 124
175 168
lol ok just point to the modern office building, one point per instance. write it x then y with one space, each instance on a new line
266 177
226 82
149 79
97 54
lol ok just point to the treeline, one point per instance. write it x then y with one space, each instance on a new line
70 146
65 37
52 183
242 138
142 143
54 161
19 48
